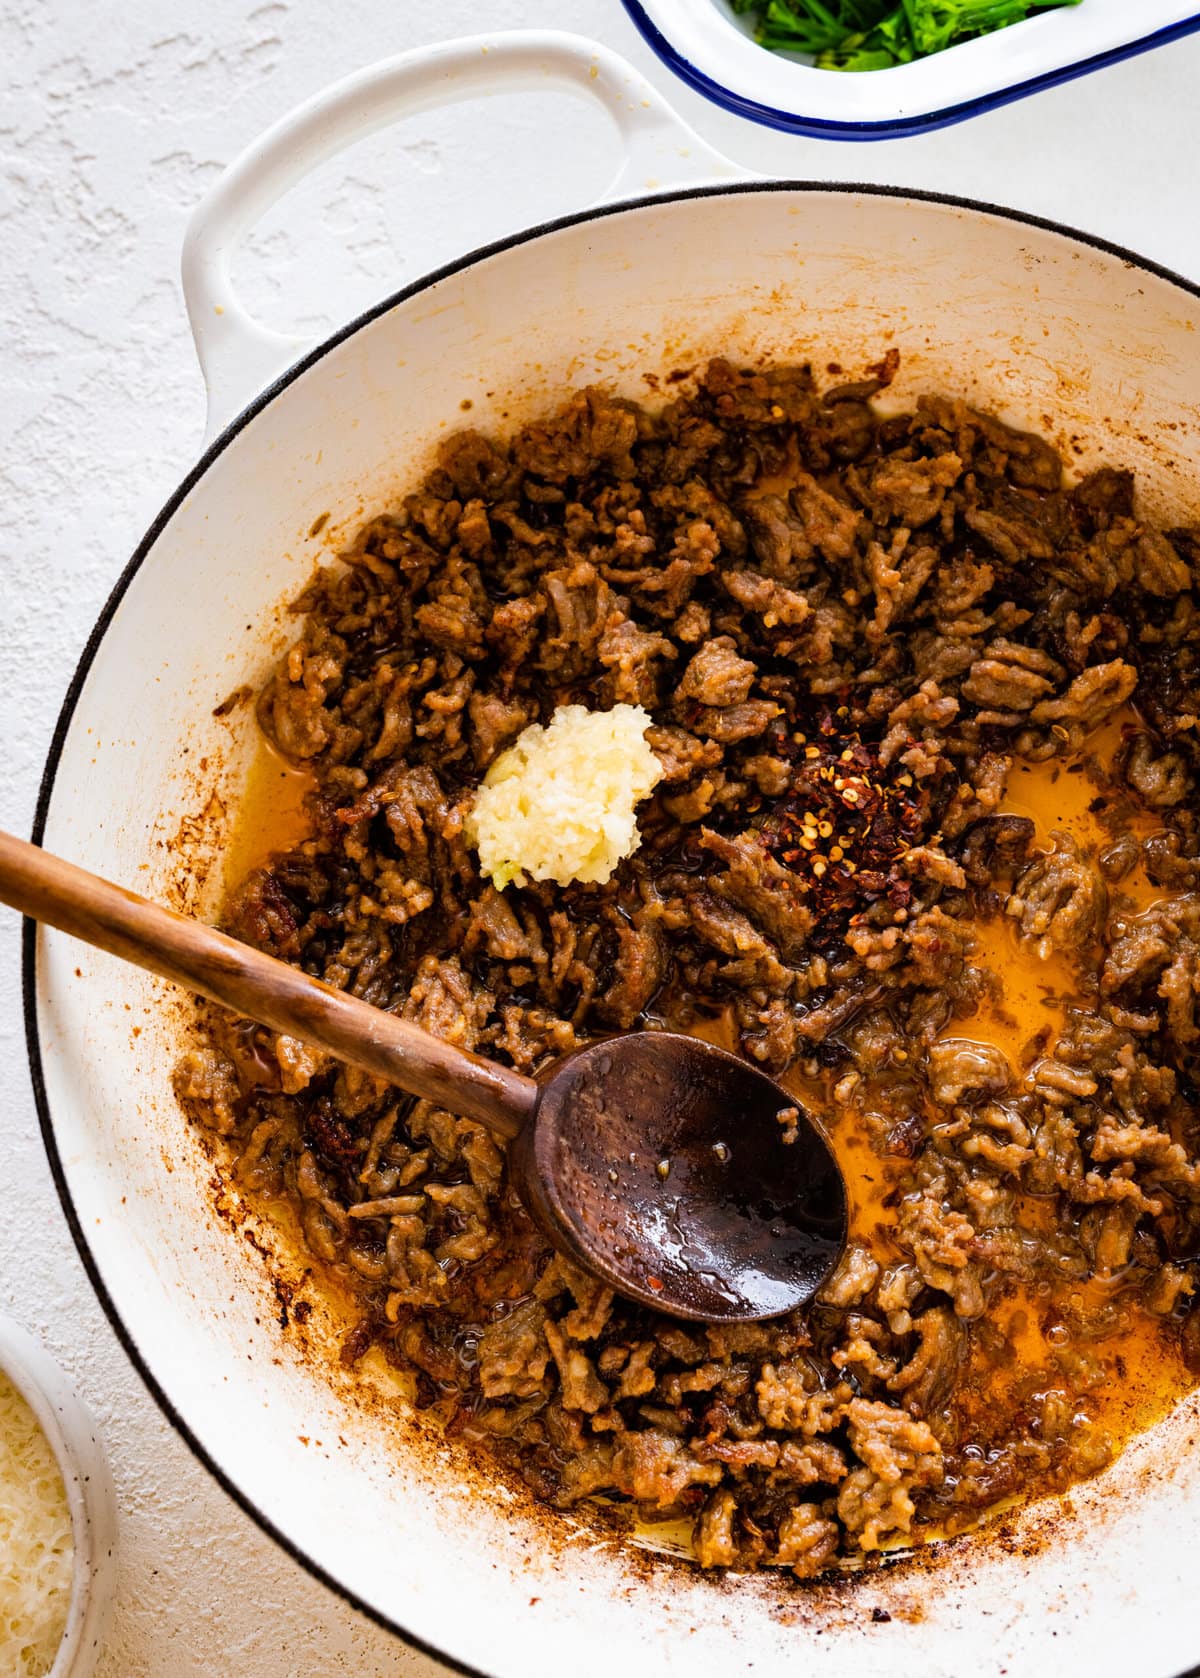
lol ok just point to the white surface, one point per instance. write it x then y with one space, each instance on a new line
114 122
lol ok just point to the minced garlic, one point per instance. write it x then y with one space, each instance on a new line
560 804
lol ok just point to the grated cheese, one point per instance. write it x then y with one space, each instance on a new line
36 1546
560 803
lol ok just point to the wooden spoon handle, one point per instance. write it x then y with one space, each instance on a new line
258 986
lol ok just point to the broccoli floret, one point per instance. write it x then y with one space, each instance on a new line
876 34
808 25
887 43
937 24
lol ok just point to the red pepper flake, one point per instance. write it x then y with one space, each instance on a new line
846 817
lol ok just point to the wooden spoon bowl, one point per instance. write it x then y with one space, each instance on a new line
659 1162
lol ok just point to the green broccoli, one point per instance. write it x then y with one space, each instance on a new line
937 24
876 34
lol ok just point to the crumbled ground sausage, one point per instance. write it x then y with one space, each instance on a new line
847 629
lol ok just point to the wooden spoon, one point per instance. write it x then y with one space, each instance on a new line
655 1161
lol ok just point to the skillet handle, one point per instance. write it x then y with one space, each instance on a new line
238 356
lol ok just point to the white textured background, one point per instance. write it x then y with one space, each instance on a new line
113 119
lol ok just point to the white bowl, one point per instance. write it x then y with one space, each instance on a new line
714 52
90 1496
